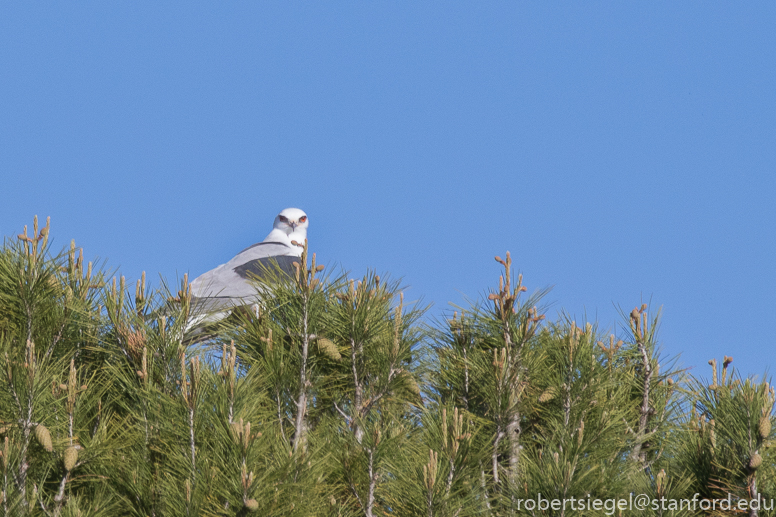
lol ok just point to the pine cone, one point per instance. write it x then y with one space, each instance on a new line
547 395
44 437
252 505
755 461
329 349
412 384
71 458
765 427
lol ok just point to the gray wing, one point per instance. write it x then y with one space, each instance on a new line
230 284
257 268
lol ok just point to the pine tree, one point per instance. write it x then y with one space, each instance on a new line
378 391
485 362
328 397
726 450
55 436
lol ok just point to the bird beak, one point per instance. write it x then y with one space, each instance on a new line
293 225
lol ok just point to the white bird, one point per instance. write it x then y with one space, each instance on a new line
217 292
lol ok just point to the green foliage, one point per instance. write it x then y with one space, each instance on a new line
330 397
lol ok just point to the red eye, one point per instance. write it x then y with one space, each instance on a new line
303 219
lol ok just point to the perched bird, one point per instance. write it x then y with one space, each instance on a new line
217 292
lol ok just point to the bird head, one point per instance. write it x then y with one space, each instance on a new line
292 221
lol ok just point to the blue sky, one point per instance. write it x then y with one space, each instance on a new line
621 151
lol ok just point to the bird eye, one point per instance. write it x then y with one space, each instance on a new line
283 218
303 219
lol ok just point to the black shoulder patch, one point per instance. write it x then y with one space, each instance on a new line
258 268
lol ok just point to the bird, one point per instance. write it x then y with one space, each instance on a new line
216 293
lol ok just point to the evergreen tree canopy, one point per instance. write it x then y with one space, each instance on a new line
335 397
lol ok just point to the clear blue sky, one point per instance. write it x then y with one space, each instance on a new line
619 150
